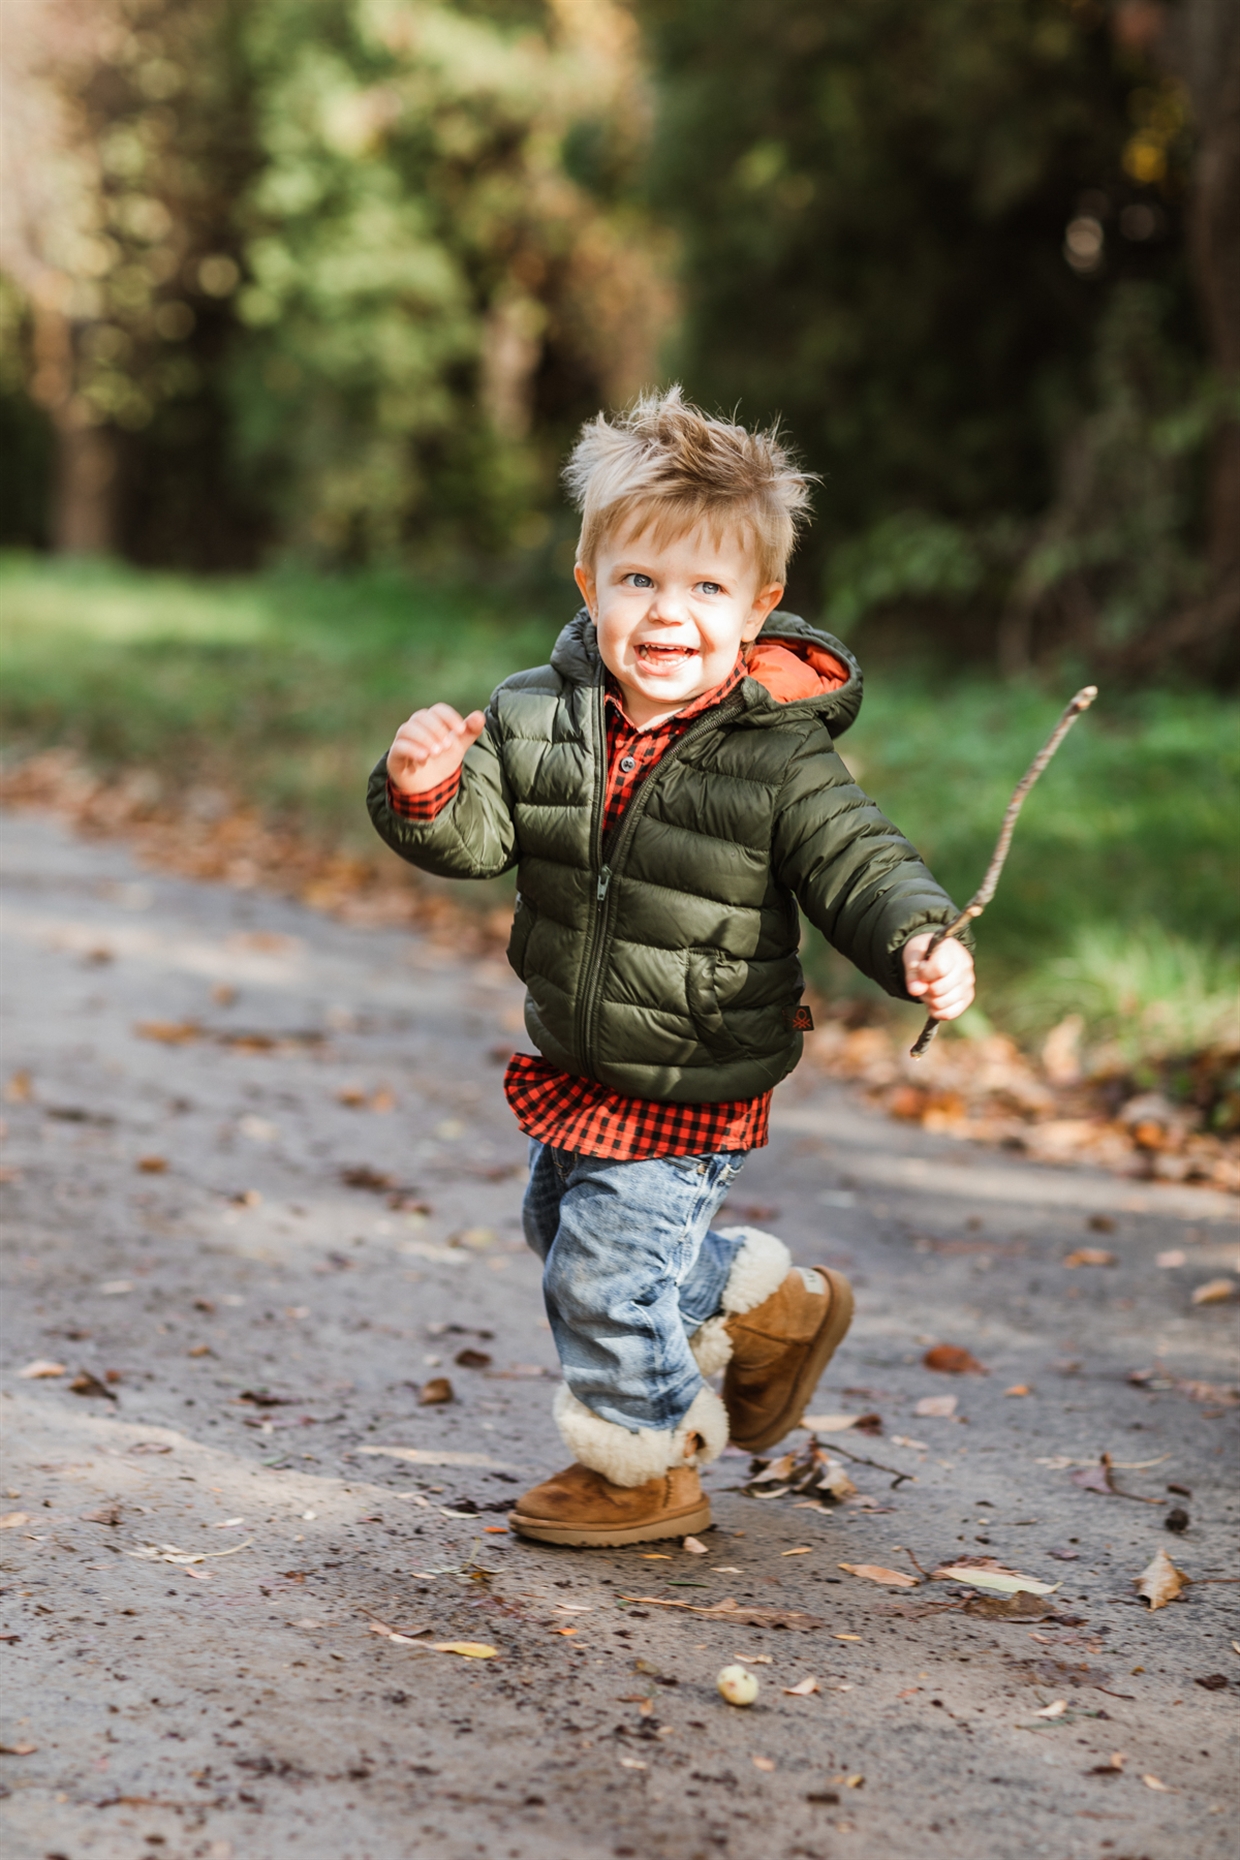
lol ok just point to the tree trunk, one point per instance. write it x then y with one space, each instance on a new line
83 519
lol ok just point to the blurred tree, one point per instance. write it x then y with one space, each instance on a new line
916 230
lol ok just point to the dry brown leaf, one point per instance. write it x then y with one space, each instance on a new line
737 1613
803 1688
1019 1388
1019 1606
169 1032
151 1165
1152 1782
830 1423
949 1359
13 1520
1090 1256
631 1763
1160 1581
86 1383
20 1088
34 1372
936 1407
986 1572
764 1763
435 1392
18 1750
694 1548
854 1782
1215 1292
468 1649
803 1550
874 1572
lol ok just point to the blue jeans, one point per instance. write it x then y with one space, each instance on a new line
631 1268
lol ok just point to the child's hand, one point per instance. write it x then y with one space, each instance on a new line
943 982
431 746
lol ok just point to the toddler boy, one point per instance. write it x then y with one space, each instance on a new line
668 790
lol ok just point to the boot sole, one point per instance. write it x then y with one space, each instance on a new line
828 1340
677 1524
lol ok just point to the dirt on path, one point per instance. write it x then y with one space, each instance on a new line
262 1189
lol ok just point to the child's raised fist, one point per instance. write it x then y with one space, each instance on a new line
943 981
431 746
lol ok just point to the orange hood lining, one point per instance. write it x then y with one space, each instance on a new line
795 668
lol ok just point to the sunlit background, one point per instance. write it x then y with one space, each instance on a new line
302 301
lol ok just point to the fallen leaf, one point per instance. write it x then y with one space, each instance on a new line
18 1750
13 1520
116 1288
803 1551
34 1372
200 1349
1215 1292
655 1556
151 1165
694 1548
936 1407
949 1359
1177 1519
631 1763
169 1032
778 1469
1113 1767
902 1440
495 1530
1160 1581
986 1573
435 1392
874 1572
1019 1388
1055 1710
763 1763
1089 1256
106 1514
854 1782
472 1359
1152 1782
19 1089
468 1649
846 1637
830 1423
802 1689
1020 1606
1213 1682
1174 1256
85 1383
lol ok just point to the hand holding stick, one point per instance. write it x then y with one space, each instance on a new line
986 890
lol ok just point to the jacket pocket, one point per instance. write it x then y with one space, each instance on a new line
702 985
518 942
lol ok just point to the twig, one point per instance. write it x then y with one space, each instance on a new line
986 890
859 1459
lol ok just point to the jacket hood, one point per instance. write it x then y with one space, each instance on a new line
816 665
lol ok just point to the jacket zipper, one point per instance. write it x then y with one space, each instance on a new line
619 845
596 847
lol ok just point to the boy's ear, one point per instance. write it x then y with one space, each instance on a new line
583 575
765 602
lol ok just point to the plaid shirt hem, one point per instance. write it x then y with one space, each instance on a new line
423 806
586 1118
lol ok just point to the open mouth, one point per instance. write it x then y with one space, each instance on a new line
665 658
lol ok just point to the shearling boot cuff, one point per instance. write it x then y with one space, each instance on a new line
631 1456
759 1269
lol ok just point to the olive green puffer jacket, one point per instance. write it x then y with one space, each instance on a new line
664 962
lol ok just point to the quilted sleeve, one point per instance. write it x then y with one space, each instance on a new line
473 836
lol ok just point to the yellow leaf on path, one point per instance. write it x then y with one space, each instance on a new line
1160 1581
1214 1292
655 1556
468 1649
803 1551
1152 1782
802 1689
1003 1581
874 1572
13 1520
34 1372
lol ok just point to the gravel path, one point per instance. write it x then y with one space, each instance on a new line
261 1187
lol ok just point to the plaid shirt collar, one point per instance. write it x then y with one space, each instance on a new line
694 708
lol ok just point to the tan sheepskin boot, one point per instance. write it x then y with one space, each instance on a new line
580 1506
629 1484
780 1327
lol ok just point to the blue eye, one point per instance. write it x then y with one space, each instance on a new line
710 587
640 581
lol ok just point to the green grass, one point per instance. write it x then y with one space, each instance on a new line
1120 893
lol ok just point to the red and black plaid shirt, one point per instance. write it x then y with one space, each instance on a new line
579 1114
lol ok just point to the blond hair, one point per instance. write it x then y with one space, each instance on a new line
666 467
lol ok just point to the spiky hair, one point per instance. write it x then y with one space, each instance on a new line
666 467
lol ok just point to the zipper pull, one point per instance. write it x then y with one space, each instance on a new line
604 879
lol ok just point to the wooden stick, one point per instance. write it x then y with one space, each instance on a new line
986 890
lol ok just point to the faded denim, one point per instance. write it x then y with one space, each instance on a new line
631 1268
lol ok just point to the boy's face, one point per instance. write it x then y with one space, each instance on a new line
671 616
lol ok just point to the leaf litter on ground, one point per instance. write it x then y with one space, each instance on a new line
950 1359
736 1614
1160 1581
